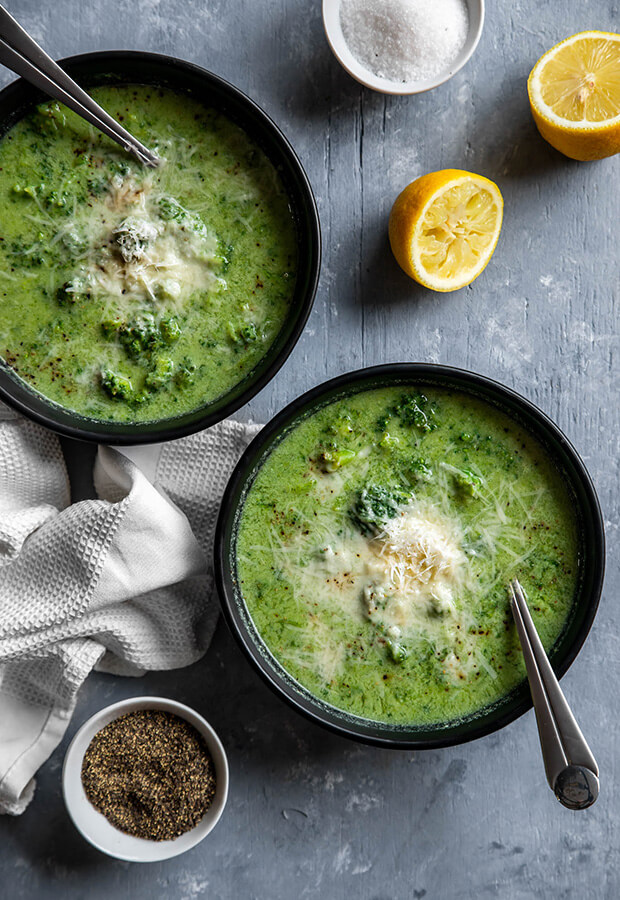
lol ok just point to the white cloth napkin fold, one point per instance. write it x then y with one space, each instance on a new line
121 583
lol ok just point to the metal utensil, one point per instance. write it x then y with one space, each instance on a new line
19 52
571 769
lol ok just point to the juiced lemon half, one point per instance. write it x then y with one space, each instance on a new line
444 227
574 92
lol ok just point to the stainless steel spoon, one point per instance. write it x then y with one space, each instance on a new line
20 53
571 769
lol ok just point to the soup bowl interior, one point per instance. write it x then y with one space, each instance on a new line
590 535
128 67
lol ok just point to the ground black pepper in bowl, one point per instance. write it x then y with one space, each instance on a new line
150 773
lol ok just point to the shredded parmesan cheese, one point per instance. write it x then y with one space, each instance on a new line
422 552
135 258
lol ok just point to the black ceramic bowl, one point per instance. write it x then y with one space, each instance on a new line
92 69
591 537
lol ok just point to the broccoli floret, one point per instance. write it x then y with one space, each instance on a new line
467 482
184 375
248 333
398 653
141 337
418 470
333 458
169 209
416 410
242 334
374 506
172 211
133 236
161 374
191 223
170 330
116 386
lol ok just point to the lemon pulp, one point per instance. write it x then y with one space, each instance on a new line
444 227
581 81
457 232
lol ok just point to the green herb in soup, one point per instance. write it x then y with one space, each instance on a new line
130 294
376 544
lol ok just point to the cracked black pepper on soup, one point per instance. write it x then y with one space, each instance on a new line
150 773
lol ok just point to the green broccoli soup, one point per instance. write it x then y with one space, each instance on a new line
131 294
375 547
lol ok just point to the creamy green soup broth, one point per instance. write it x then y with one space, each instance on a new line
376 544
129 294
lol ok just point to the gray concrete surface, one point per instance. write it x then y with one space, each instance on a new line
311 815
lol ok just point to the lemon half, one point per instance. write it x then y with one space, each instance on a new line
444 227
574 92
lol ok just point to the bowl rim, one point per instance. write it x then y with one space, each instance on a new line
340 49
66 422
130 847
302 700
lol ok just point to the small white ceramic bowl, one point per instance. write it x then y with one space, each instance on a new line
95 827
335 38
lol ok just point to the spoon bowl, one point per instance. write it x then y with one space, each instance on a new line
576 787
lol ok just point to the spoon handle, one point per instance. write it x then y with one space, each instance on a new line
562 742
19 52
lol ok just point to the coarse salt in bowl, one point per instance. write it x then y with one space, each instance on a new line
403 46
94 826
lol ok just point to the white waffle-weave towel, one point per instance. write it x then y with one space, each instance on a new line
121 583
